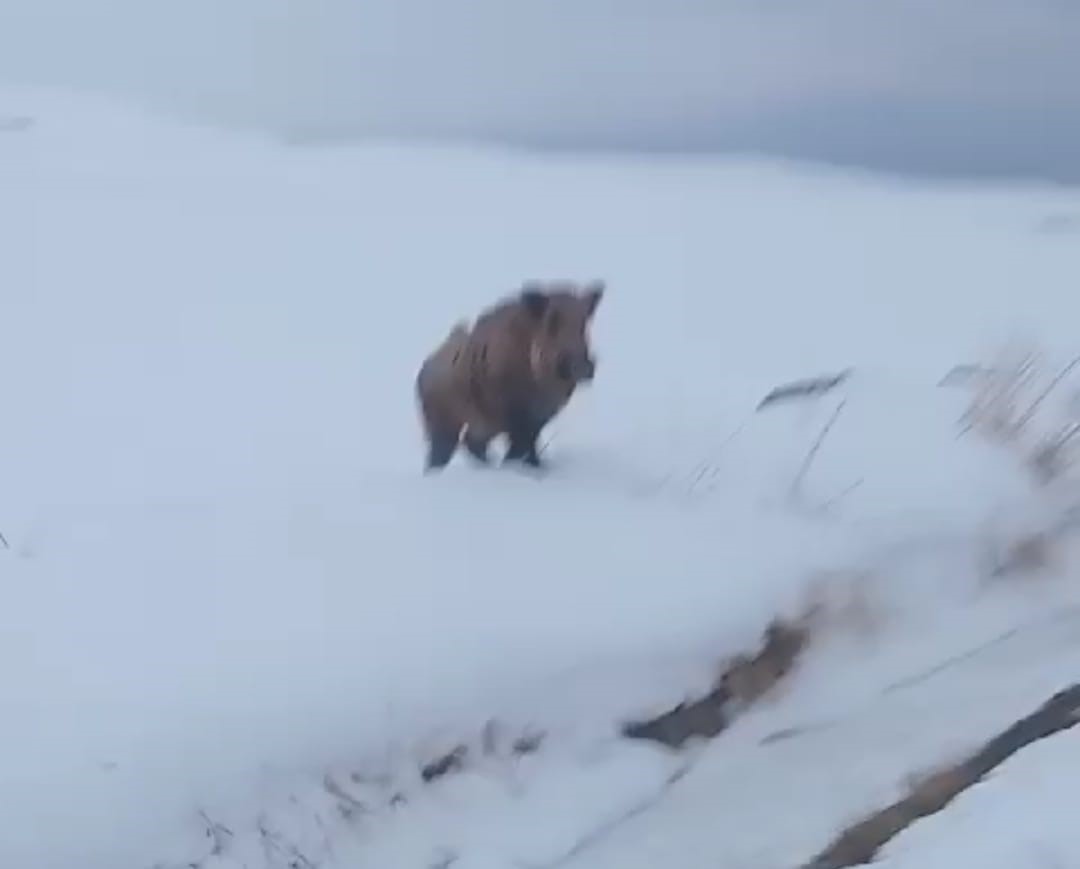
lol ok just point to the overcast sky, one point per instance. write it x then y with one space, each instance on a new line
950 86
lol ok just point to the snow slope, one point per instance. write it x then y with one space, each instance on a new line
236 619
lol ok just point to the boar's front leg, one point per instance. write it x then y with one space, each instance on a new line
524 433
478 435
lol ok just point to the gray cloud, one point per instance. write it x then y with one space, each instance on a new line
966 86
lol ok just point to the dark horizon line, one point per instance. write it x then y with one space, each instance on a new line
911 169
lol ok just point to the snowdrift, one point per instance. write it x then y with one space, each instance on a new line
237 622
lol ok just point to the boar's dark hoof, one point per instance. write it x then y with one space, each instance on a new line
525 454
440 451
478 450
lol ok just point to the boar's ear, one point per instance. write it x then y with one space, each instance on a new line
535 301
594 293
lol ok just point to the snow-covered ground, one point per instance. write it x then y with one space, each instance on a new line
236 620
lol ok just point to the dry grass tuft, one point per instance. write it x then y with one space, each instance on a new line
1011 405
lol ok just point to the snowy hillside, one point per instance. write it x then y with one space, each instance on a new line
238 623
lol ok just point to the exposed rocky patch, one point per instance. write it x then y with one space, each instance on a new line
745 680
860 843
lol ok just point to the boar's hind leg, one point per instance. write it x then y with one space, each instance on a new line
441 449
442 431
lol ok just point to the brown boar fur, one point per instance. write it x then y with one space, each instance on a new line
510 374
